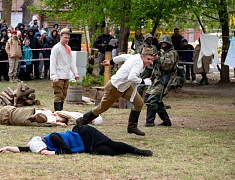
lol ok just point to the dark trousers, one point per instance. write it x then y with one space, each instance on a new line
4 66
114 148
36 64
189 71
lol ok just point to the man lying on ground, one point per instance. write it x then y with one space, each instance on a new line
10 115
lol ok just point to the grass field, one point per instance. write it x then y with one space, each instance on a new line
199 145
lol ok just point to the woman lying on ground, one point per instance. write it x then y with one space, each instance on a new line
82 139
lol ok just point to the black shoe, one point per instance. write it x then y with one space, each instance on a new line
165 124
149 125
143 152
133 122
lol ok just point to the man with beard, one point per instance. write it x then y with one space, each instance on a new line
164 73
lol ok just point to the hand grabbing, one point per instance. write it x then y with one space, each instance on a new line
147 81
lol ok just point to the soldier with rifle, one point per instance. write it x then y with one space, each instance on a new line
163 75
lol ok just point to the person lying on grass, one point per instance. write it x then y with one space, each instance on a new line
82 139
10 115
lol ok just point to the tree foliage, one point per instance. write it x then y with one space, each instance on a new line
135 14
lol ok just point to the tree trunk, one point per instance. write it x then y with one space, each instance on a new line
224 21
6 11
124 30
27 15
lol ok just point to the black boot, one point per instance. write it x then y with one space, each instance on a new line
165 118
86 119
143 152
132 123
150 117
204 78
57 106
206 81
62 105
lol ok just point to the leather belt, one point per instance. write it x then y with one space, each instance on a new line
9 116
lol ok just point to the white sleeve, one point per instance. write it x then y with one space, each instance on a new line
53 63
73 66
121 58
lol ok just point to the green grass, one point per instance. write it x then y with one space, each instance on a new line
179 152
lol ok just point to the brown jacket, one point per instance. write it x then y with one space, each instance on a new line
206 61
10 115
13 48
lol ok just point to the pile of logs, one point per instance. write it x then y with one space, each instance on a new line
21 96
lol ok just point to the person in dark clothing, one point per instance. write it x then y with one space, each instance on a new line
54 34
187 56
46 54
84 138
102 43
34 44
20 27
176 40
4 66
137 41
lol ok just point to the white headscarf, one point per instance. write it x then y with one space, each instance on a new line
36 144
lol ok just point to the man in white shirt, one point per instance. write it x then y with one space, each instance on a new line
61 62
124 84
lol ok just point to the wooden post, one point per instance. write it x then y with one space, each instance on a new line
107 69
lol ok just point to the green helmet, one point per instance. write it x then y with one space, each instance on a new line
166 38
148 35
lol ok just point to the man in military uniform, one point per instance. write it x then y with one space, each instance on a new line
164 73
10 115
102 43
148 39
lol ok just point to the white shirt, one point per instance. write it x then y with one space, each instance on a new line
51 117
61 63
129 72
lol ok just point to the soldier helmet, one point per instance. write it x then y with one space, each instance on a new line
148 35
166 38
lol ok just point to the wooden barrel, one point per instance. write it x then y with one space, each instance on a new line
74 95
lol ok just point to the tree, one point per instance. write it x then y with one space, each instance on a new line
27 15
6 10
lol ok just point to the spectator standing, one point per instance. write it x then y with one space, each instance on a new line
137 41
46 28
34 44
177 41
4 66
187 56
42 40
102 43
13 49
26 66
206 61
46 54
61 63
163 75
54 34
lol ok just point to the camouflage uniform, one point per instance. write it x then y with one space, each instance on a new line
165 67
148 70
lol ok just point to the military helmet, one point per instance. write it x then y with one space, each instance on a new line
148 35
166 38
